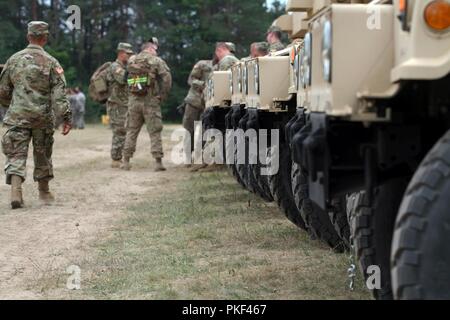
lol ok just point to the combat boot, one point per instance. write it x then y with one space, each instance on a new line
116 164
44 193
16 192
159 167
126 166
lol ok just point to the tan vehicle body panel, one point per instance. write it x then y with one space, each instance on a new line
273 82
295 24
314 6
361 59
218 90
420 53
238 96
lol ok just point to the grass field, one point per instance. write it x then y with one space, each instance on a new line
209 239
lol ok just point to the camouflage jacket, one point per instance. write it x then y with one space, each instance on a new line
227 62
277 46
118 84
33 85
197 81
155 68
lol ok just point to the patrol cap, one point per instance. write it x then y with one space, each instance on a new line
38 28
125 47
231 46
154 40
262 46
274 29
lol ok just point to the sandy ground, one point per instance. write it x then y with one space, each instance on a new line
39 240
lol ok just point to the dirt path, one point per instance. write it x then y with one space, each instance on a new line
38 241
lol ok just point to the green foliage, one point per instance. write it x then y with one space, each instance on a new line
187 31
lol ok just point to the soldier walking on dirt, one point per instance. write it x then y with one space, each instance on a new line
149 83
33 85
117 104
274 35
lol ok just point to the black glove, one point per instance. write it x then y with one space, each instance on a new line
181 108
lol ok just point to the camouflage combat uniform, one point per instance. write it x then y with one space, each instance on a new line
117 107
277 46
227 62
195 101
33 85
151 72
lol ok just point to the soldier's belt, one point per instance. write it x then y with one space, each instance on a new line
139 80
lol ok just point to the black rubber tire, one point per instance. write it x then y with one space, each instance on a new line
317 220
420 250
339 219
281 187
232 168
372 229
262 183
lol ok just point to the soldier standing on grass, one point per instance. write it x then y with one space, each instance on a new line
117 104
149 83
33 85
195 100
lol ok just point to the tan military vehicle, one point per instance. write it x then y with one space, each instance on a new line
268 83
217 100
375 78
218 91
271 103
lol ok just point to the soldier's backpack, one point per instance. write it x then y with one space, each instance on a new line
99 90
140 76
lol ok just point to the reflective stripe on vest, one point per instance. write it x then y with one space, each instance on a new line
138 80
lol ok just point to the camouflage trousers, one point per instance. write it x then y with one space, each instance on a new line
144 111
15 145
191 114
117 117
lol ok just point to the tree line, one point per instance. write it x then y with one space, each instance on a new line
187 31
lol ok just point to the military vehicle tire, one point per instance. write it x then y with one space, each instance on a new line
420 254
281 185
261 183
372 228
317 220
339 219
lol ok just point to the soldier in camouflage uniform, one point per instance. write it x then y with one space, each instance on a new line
117 104
274 35
225 54
2 109
259 49
32 86
195 101
149 83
